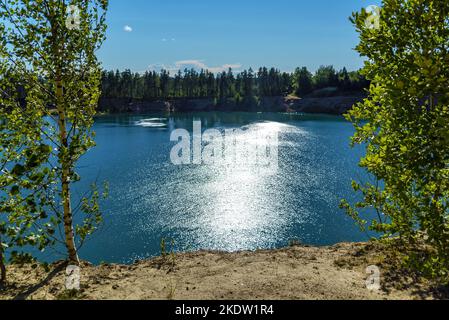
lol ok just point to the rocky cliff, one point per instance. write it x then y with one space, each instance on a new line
329 105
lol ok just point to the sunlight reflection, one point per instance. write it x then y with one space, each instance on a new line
243 205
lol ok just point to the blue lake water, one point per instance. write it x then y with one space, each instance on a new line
206 207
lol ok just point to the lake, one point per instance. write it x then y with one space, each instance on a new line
209 207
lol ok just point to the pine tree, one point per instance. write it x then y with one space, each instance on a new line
303 81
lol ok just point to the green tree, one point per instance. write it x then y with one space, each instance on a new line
324 77
224 86
344 80
51 45
303 81
404 124
286 83
165 84
263 82
24 180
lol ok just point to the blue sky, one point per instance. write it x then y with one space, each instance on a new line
174 34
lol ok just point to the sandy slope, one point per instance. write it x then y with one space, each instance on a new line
299 272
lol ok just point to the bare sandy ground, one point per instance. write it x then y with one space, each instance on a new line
300 272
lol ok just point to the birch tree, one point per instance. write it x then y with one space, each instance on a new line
404 125
49 47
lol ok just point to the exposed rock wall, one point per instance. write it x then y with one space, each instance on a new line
328 105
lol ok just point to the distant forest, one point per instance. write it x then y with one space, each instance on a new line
242 86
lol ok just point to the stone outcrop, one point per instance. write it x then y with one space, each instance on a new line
327 105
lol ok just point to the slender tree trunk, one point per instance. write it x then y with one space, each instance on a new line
2 273
65 161
2 268
68 218
65 177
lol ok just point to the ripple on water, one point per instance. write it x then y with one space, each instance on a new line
220 207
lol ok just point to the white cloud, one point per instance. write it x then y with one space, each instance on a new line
127 29
158 67
199 64
195 64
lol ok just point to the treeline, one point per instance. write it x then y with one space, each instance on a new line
248 84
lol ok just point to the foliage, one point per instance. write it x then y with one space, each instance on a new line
303 81
25 180
404 124
47 61
325 76
265 82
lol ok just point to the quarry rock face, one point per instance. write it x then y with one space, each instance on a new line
327 105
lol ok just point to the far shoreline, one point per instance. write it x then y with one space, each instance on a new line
334 105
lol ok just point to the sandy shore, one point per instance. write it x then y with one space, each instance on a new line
300 272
